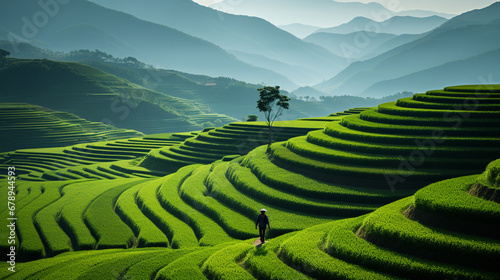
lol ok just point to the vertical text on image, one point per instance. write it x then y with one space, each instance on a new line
11 218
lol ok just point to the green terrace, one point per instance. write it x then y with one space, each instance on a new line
444 231
153 155
94 95
232 140
362 194
99 160
31 126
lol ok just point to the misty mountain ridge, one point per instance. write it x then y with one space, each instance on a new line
444 44
480 69
397 25
299 30
242 36
121 34
199 99
97 96
191 38
424 13
354 45
314 12
361 45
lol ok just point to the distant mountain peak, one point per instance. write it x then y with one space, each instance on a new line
311 12
473 36
395 25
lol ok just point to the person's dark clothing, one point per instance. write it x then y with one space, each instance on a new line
262 222
262 232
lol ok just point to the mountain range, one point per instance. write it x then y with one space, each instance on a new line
98 96
475 33
395 25
480 69
299 30
189 38
121 34
314 12
356 45
250 39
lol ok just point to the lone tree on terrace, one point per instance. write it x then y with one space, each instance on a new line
272 103
4 53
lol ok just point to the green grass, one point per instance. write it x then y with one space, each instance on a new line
194 191
31 246
308 184
192 158
46 221
356 123
437 142
411 103
283 179
343 243
445 120
105 224
149 267
468 100
301 146
234 138
224 263
52 128
302 252
207 231
247 183
491 177
86 263
95 160
374 177
148 234
178 232
26 194
283 220
114 268
73 205
35 269
189 266
487 88
387 224
450 198
263 262
393 109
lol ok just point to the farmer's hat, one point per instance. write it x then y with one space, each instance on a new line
263 210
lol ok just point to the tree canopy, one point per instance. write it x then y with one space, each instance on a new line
272 104
4 53
252 118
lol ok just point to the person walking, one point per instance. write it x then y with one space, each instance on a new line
262 222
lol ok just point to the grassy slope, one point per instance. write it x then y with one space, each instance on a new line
210 205
388 243
210 93
31 126
117 160
75 88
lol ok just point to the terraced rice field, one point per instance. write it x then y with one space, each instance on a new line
98 160
401 145
341 200
165 153
233 140
444 231
31 126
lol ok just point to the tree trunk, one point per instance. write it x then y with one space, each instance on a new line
270 136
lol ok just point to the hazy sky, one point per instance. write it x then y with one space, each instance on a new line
444 6
206 2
